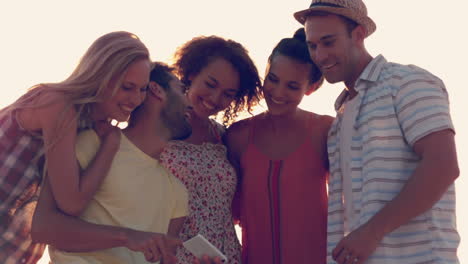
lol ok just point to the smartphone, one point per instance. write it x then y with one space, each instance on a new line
199 246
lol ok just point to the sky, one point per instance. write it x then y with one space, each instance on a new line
42 41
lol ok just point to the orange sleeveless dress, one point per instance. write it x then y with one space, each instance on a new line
283 205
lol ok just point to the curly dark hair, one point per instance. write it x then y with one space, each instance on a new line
197 53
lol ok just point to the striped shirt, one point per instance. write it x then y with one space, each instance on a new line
398 105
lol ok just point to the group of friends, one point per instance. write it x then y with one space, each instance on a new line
373 185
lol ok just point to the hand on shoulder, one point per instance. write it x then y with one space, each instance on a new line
327 121
236 139
237 134
108 134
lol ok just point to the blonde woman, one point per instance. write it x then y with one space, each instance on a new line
39 130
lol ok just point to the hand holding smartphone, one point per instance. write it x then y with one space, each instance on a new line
199 246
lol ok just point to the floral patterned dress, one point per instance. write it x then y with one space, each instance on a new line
211 182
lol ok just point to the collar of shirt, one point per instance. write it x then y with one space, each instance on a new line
370 74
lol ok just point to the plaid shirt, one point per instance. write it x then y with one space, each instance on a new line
20 178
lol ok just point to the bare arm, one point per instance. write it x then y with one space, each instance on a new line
236 140
437 170
70 233
326 122
75 235
71 191
233 139
175 226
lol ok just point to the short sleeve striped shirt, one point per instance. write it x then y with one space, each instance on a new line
398 105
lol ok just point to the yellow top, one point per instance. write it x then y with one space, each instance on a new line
138 193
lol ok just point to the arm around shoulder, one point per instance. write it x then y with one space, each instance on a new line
236 140
72 234
71 190
328 120
326 123
59 129
68 233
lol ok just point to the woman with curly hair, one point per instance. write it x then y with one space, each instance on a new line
220 78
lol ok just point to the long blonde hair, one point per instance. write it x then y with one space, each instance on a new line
108 58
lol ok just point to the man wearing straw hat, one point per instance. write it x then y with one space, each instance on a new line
391 149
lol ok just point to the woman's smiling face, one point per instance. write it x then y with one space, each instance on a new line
214 88
286 83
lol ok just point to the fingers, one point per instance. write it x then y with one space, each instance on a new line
154 246
345 256
173 243
207 260
158 251
351 258
155 253
357 260
337 250
163 250
342 256
217 260
148 253
167 248
103 128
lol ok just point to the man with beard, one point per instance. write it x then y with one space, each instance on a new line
138 202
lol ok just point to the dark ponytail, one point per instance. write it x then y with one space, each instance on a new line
300 35
296 48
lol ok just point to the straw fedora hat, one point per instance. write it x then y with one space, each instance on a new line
353 9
